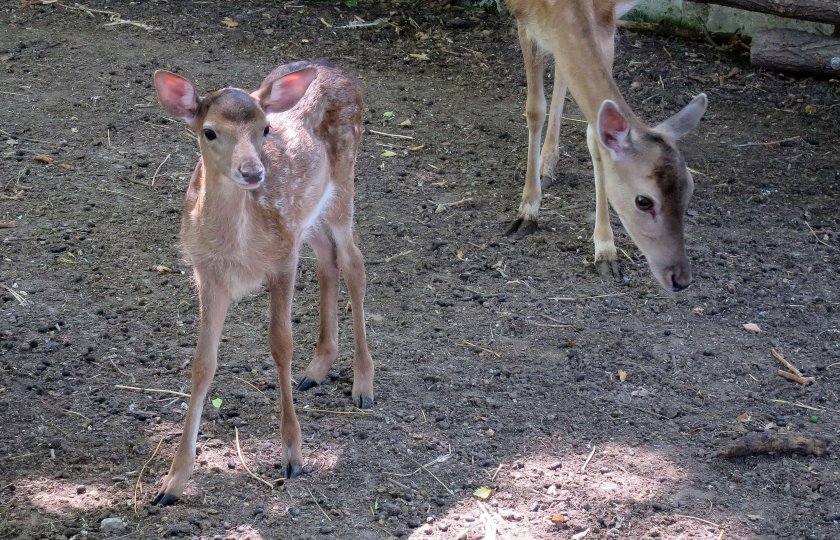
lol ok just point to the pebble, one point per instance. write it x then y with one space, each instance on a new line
81 490
111 524
326 529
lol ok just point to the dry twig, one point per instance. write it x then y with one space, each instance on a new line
137 485
245 465
152 390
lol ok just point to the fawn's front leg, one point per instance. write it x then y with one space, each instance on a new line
214 301
282 288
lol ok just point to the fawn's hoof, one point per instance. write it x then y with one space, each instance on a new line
164 499
608 269
522 227
292 471
306 383
363 402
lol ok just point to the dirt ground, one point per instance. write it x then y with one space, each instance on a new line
583 405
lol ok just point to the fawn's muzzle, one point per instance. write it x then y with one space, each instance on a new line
252 175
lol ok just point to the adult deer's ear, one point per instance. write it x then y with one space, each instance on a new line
283 93
613 130
177 95
685 120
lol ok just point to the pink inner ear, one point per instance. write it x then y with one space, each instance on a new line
176 94
288 90
613 125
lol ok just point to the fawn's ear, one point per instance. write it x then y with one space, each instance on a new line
177 95
613 130
282 94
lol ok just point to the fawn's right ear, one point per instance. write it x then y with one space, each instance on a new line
177 95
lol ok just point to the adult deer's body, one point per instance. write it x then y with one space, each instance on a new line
276 170
638 169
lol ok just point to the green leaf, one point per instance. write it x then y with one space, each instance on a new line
351 3
483 492
814 419
389 114
388 153
217 402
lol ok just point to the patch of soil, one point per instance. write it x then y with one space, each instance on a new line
498 361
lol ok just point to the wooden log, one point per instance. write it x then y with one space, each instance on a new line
776 443
826 11
796 51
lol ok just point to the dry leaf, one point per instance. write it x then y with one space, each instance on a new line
558 519
460 255
406 124
66 166
811 109
230 23
43 158
388 153
163 269
419 56
752 327
745 417
483 492
416 148
581 534
622 375
698 311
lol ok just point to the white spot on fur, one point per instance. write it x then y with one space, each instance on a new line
320 207
263 201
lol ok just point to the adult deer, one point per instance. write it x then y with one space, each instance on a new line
638 169
276 170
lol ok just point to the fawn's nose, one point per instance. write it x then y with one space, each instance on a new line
681 277
252 174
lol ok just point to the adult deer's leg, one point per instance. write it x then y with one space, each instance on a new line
606 257
551 147
282 286
326 350
352 265
214 301
526 221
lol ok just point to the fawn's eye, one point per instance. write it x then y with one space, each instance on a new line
265 131
210 134
645 204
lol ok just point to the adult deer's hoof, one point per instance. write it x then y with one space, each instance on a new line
608 269
363 402
306 383
164 499
292 471
522 227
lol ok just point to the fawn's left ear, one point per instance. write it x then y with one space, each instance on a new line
177 95
282 94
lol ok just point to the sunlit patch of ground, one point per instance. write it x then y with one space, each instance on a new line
581 496
62 497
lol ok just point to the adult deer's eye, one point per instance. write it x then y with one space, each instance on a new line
645 204
265 131
210 134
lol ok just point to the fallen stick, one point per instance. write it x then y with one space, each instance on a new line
776 443
7 224
793 377
781 359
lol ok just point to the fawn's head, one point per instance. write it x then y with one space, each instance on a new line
231 124
649 185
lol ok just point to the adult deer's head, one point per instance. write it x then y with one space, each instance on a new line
649 185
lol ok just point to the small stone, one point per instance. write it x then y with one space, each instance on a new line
556 465
326 529
231 464
111 524
80 490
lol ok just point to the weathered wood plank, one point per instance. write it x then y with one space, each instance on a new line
796 51
827 11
